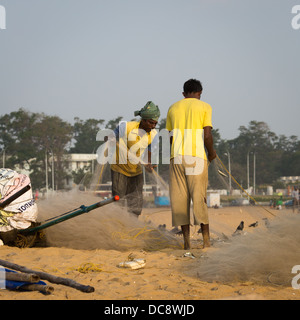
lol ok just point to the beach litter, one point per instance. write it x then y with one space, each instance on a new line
133 264
189 255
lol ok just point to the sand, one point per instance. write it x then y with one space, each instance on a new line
255 265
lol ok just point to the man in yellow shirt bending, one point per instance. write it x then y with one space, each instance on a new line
134 139
189 121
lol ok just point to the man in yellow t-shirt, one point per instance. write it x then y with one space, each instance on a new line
189 121
134 139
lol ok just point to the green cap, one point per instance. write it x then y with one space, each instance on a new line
149 111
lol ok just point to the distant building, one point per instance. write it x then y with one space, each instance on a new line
290 179
80 161
76 161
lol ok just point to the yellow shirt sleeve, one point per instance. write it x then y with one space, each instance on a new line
208 117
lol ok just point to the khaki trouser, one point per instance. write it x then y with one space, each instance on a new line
188 181
130 189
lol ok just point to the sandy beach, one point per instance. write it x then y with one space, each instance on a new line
88 249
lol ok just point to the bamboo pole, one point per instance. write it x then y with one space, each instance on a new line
38 287
26 277
83 209
48 277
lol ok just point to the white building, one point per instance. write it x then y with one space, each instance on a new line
81 160
290 179
76 161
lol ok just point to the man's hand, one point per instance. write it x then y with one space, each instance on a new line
212 156
149 167
209 144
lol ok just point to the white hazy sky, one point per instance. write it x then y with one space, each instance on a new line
103 59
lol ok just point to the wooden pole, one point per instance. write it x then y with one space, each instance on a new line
48 277
38 287
25 277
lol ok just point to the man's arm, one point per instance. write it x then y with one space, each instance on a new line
209 144
148 166
154 144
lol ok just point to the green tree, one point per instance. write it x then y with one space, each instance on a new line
272 154
53 136
85 135
16 136
112 124
28 137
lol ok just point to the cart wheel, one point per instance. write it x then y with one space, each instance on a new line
25 241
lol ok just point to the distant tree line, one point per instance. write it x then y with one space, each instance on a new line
275 156
31 139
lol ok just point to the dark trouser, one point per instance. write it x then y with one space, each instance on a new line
130 189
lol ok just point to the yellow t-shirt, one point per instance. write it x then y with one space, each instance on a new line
187 118
132 144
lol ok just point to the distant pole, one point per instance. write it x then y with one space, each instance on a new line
254 173
229 169
248 173
52 170
46 169
144 175
93 164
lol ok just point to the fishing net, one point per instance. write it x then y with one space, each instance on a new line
111 226
108 227
265 256
263 251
